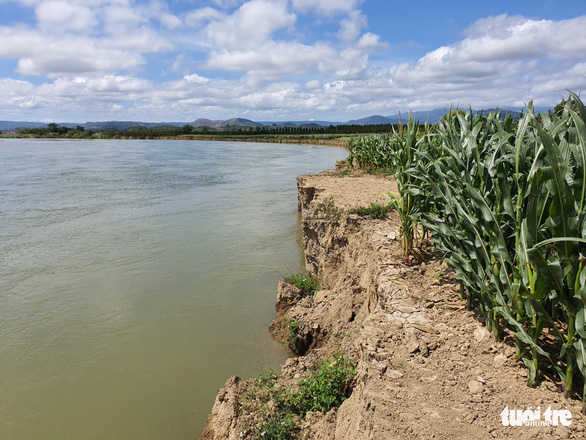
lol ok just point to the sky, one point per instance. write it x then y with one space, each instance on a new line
279 60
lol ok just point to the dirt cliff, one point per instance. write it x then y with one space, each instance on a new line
426 367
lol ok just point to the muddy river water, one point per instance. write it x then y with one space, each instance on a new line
136 277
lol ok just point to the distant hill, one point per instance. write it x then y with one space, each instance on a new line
122 125
433 116
239 122
202 122
308 123
11 125
372 120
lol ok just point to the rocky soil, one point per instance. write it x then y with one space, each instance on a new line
426 367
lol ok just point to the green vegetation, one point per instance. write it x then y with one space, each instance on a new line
293 336
56 131
328 208
505 202
304 281
131 130
326 388
374 211
279 410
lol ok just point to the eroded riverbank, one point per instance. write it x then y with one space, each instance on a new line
426 367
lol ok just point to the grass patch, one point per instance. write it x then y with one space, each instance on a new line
374 211
304 281
276 411
326 388
293 326
328 208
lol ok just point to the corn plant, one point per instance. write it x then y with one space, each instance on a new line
404 146
552 245
372 152
505 203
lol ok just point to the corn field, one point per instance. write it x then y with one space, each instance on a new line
504 201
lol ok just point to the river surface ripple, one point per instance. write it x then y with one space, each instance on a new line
136 277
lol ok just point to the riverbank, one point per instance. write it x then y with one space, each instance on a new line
344 143
426 367
341 141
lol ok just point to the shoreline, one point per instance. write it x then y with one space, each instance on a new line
426 367
336 142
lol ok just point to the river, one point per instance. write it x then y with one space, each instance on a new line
137 276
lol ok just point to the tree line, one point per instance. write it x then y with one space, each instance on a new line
54 130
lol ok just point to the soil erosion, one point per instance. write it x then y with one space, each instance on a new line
425 366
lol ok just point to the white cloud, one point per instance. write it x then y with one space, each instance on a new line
371 42
271 60
200 16
328 7
226 4
170 21
104 67
195 78
116 84
61 15
69 49
38 54
498 51
12 87
351 27
244 42
505 38
252 24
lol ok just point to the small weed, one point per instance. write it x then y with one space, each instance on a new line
328 208
280 410
304 281
293 326
277 426
374 211
327 388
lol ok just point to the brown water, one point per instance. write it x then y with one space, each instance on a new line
136 277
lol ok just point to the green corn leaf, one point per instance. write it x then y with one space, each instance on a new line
562 205
580 356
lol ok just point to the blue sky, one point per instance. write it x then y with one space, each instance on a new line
81 60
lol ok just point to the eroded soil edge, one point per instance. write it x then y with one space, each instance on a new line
426 367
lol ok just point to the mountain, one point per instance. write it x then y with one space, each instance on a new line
239 122
122 125
372 120
11 125
308 123
203 122
431 116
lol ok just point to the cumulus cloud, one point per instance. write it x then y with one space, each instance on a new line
39 54
499 58
251 58
66 41
252 24
351 27
195 78
506 38
201 16
271 60
244 41
61 15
